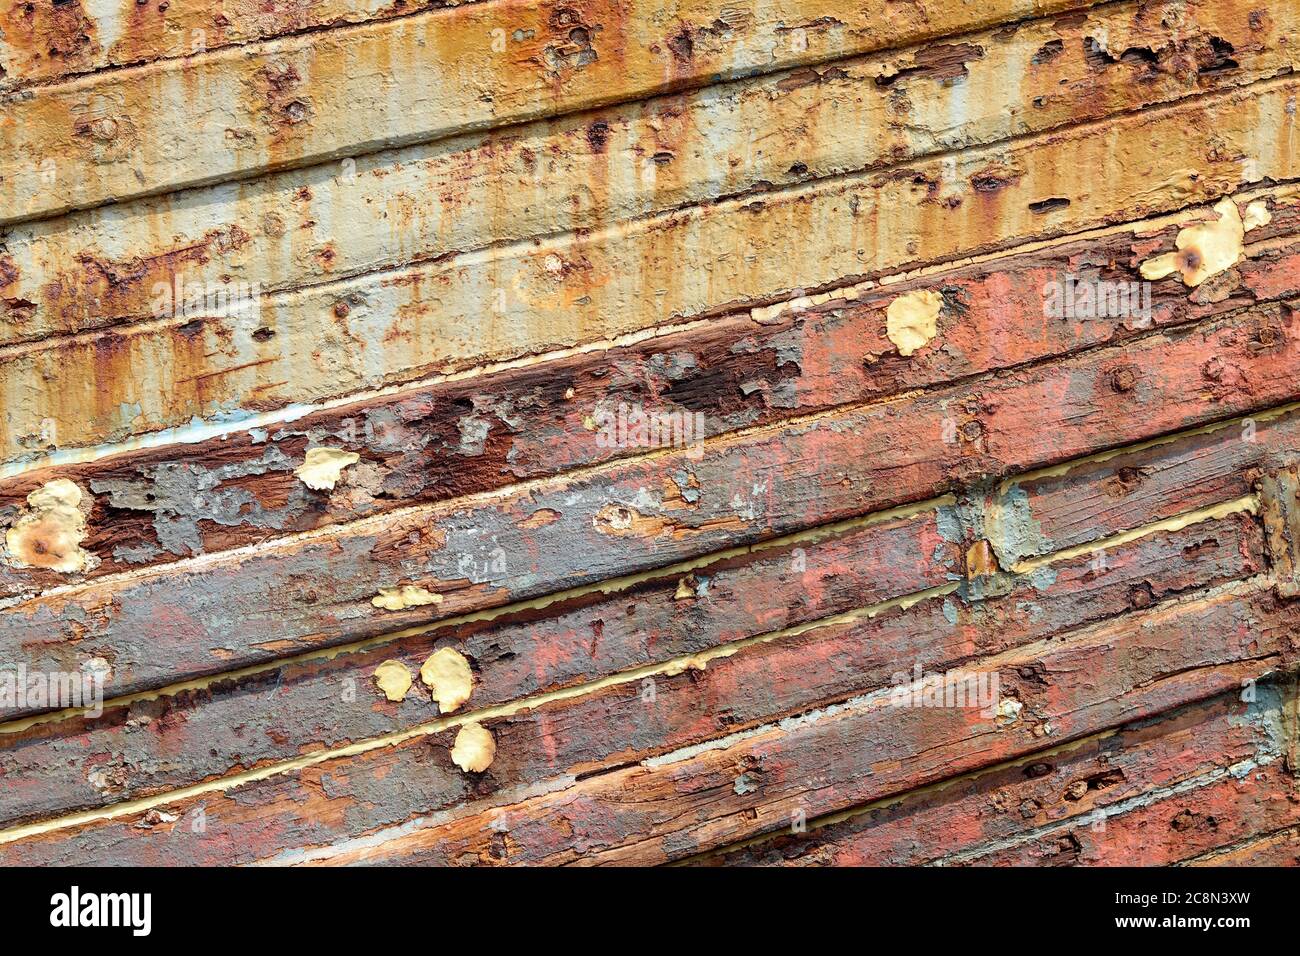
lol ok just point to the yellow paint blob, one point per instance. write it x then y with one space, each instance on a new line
1205 249
394 679
323 467
448 675
49 536
474 749
407 595
913 319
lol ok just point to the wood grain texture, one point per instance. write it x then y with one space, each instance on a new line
1154 660
1054 793
659 811
584 288
615 432
455 438
235 111
621 518
306 226
229 725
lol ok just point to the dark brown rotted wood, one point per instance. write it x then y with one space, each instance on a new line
1279 494
1073 787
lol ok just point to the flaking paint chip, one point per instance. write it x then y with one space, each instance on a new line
394 679
913 319
474 749
323 467
49 535
1008 711
448 675
1256 215
407 595
1204 250
980 560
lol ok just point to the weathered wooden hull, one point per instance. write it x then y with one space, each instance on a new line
602 432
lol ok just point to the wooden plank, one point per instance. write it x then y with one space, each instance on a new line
1229 810
293 101
1079 782
661 811
295 708
228 724
104 266
451 438
1279 493
1065 507
40 43
227 611
830 758
588 287
1276 849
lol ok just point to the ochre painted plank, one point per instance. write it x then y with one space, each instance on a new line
239 110
43 42
584 288
104 266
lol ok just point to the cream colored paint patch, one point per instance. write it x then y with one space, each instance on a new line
394 679
324 466
407 595
1205 249
474 749
1256 215
49 535
913 319
448 675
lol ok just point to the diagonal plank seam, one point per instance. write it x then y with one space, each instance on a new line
695 661
517 489
491 251
199 430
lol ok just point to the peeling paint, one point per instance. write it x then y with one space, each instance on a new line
323 466
475 748
913 319
404 596
394 679
50 534
447 674
1256 216
1204 250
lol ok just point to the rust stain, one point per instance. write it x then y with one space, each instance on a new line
50 533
